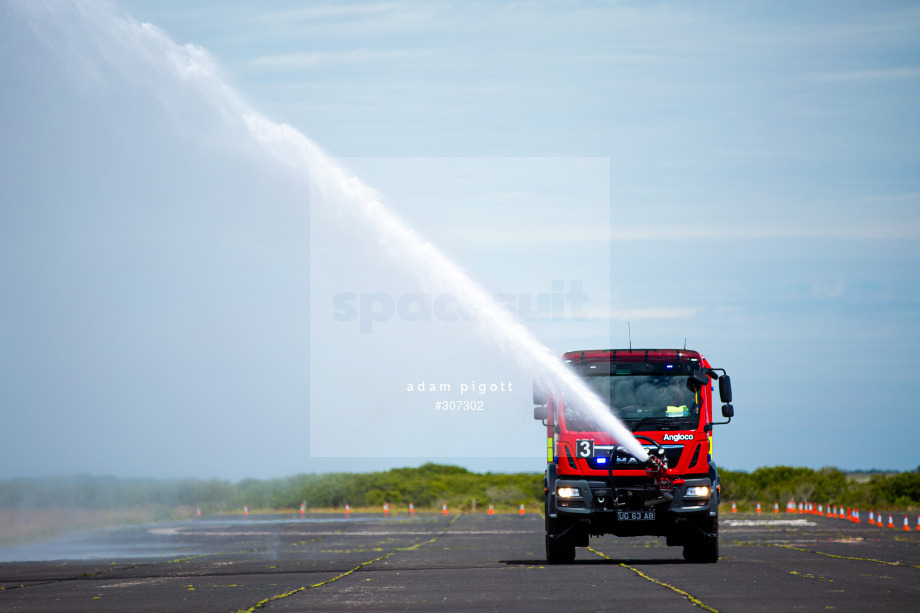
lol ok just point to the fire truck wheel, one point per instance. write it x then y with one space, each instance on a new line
558 549
701 548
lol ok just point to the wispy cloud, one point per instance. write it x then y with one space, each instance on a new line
519 235
829 290
334 11
643 313
881 74
347 19
582 235
320 59
869 230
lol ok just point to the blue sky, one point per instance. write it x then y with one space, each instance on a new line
742 175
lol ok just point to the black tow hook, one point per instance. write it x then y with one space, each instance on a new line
665 497
561 535
702 532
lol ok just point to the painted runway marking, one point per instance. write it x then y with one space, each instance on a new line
798 522
184 531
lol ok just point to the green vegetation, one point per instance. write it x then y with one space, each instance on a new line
428 487
770 485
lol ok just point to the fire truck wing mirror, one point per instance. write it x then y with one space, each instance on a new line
728 411
725 389
539 412
539 392
697 380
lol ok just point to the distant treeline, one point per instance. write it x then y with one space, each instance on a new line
828 485
429 486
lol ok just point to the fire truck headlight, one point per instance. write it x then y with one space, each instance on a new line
567 492
698 491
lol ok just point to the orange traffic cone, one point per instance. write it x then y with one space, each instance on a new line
872 517
491 509
856 515
412 509
918 522
521 511
245 510
198 512
444 509
386 509
890 522
906 526
776 508
303 508
734 509
347 511
758 507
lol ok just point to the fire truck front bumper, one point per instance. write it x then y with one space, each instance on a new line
584 498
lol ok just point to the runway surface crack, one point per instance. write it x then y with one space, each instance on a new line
265 602
694 600
841 556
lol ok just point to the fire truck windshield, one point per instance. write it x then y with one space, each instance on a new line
643 402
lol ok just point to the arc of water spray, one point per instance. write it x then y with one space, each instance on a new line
191 64
434 269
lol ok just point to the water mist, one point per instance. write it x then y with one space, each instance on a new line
193 68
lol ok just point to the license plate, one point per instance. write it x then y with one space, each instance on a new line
630 516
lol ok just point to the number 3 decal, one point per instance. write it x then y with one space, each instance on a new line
584 448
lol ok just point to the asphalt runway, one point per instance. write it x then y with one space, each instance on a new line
768 562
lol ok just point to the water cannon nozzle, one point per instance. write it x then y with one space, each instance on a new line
657 463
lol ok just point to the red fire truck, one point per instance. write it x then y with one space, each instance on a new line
595 487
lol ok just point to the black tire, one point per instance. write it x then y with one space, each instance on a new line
701 548
559 550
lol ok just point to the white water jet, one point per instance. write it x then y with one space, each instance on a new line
192 67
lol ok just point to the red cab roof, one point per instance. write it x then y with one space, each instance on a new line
631 356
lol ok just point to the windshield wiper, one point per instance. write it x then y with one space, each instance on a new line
647 419
665 423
